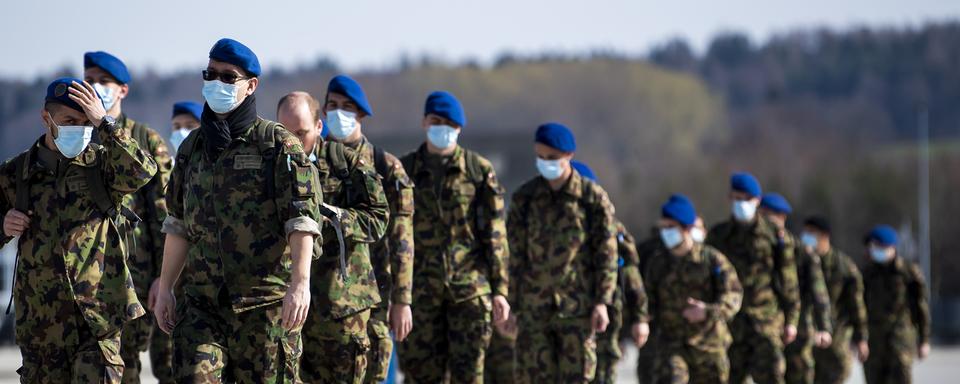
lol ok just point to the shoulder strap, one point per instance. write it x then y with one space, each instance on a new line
338 159
380 161
407 162
22 203
474 171
265 136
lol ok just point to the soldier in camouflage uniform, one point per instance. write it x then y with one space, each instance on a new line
460 272
335 335
244 214
73 290
768 272
693 291
848 314
647 250
111 79
897 312
814 328
392 256
564 265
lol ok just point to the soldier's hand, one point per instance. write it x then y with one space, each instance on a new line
15 223
508 328
822 339
86 96
501 309
296 303
401 320
696 310
164 310
923 351
640 332
599 320
863 351
789 334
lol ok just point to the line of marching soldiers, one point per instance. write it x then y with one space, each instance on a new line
276 252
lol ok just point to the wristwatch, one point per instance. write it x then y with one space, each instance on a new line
108 125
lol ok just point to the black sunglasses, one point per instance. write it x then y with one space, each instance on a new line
226 77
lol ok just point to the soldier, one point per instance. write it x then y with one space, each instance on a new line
693 292
460 272
63 197
564 265
814 326
848 314
244 213
186 118
111 79
897 312
647 250
335 335
392 257
768 273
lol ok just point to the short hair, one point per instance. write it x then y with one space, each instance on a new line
819 223
312 103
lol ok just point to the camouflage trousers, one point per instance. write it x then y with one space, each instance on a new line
381 346
555 350
335 350
799 359
134 339
161 355
215 345
832 364
448 341
683 365
92 361
646 357
756 354
891 357
500 360
608 348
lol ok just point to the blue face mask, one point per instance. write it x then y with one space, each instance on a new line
107 96
177 137
550 169
809 240
73 139
442 136
220 96
671 237
342 123
744 210
879 254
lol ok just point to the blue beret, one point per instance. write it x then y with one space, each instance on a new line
233 52
58 92
776 202
883 234
446 105
584 170
191 108
556 136
679 208
746 183
350 88
109 63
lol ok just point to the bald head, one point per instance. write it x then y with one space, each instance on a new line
300 114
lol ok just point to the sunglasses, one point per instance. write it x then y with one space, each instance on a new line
226 77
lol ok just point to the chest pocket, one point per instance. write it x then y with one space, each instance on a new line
76 181
698 278
461 197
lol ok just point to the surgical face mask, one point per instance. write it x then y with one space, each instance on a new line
177 137
73 139
879 254
744 210
809 240
550 169
672 237
107 95
698 234
220 96
342 123
442 136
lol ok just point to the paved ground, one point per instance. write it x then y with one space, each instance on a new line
943 366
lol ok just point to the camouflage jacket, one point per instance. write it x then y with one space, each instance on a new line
845 287
392 256
630 294
459 230
766 268
704 274
814 298
237 229
365 213
72 256
896 299
564 248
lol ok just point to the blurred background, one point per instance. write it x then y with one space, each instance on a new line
850 109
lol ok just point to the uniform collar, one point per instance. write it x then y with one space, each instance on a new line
456 161
573 187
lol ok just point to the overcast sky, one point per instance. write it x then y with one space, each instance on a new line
39 36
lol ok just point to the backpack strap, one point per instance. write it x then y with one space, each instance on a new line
380 161
474 170
98 188
22 203
338 160
265 136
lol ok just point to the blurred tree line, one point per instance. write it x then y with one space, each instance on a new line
827 118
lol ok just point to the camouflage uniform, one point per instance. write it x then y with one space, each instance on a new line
768 272
848 316
144 262
335 334
392 257
647 251
73 289
814 314
461 247
237 222
692 352
629 307
898 318
564 263
500 360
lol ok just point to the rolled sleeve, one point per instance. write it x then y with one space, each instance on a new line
174 226
299 224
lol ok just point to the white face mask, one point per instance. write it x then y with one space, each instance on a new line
177 137
550 169
671 237
107 95
342 123
744 210
73 139
442 136
879 254
698 234
220 96
809 240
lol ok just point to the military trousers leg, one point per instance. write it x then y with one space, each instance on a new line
134 338
756 354
500 359
555 350
335 349
832 365
684 365
448 342
381 346
161 355
799 358
608 348
92 361
890 360
646 358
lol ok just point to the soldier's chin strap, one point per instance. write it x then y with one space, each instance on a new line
333 213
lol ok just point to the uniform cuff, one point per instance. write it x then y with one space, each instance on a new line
174 226
300 224
405 298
